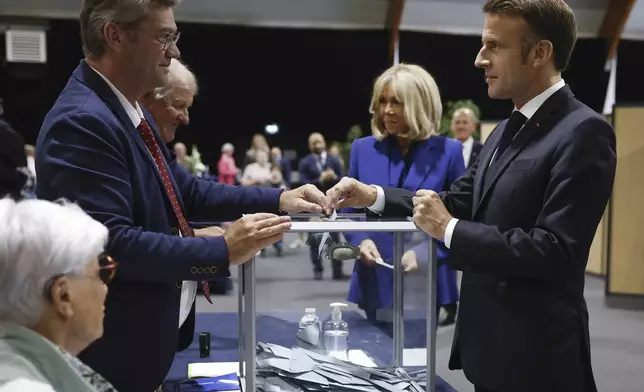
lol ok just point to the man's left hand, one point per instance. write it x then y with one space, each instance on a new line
307 198
210 231
430 213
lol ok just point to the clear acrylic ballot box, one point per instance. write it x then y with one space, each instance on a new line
414 323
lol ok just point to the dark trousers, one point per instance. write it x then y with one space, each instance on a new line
314 243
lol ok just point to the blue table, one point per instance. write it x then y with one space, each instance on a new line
280 328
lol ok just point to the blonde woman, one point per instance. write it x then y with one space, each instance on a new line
404 151
258 143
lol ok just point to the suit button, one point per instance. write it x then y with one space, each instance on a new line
178 284
200 270
174 231
193 270
213 270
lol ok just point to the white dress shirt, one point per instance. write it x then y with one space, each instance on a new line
528 110
468 145
189 288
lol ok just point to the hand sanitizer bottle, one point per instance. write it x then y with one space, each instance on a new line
336 333
309 329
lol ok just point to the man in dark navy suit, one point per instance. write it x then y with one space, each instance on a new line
98 148
323 170
520 222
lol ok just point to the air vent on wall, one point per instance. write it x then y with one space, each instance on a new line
26 46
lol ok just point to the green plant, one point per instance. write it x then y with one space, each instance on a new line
355 132
449 109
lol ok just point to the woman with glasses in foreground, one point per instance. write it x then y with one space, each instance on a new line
53 279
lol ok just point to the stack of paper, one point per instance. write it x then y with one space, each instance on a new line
282 369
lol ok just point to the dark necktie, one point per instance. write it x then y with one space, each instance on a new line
152 145
512 127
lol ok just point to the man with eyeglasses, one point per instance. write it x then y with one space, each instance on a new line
99 148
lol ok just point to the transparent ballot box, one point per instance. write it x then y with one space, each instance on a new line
391 313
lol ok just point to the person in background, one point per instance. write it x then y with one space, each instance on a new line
15 177
98 148
227 170
170 103
260 173
404 151
30 152
169 106
463 126
283 164
323 170
335 151
183 158
52 295
258 143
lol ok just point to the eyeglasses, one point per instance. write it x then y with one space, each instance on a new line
164 40
106 271
106 268
170 38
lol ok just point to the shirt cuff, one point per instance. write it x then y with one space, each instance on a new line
449 231
378 207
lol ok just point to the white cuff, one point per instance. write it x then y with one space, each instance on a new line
449 231
378 207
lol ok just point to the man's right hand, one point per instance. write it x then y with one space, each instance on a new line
253 233
350 192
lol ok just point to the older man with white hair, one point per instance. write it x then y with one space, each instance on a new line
52 295
169 103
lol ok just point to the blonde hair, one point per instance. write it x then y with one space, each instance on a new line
417 91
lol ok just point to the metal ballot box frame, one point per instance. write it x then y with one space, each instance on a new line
247 292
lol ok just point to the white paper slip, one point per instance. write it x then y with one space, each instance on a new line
325 236
381 262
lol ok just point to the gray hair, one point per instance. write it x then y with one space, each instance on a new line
178 75
468 112
227 147
95 14
39 240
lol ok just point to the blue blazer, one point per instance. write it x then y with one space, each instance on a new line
88 151
438 161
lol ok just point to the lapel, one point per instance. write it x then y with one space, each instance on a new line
425 159
484 162
377 161
85 74
542 121
423 164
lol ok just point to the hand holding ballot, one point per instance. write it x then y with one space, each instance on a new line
350 192
307 198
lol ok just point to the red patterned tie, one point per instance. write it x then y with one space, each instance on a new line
148 136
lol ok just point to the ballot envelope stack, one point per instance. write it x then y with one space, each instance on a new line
297 369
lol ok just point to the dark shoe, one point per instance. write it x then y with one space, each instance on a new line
341 276
317 275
